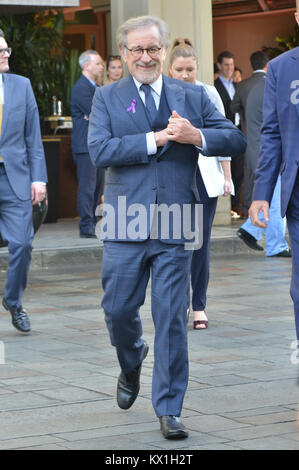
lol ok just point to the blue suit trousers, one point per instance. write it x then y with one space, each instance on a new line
16 228
126 272
91 182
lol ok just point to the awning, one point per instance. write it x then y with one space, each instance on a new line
13 7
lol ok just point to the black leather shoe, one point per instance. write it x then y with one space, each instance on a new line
19 316
172 427
249 240
128 385
283 254
88 235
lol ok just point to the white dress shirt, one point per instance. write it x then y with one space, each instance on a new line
156 90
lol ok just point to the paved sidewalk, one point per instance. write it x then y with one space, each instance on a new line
59 243
57 385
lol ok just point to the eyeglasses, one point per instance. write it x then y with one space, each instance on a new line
7 50
138 52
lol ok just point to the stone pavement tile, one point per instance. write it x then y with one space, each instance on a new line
271 373
216 357
96 382
262 411
258 432
156 439
110 431
15 370
223 380
214 446
25 442
269 418
70 394
67 417
108 443
243 396
67 369
292 436
24 400
32 384
211 423
267 443
44 447
5 390
239 367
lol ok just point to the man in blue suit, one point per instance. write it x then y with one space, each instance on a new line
147 129
90 179
279 154
23 178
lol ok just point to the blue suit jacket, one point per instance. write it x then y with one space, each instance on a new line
279 147
117 139
81 101
20 142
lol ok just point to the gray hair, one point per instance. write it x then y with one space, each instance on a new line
142 22
85 57
1 34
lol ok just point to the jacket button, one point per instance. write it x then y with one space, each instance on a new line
154 187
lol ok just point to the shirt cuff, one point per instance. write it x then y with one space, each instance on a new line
224 159
151 143
203 148
39 182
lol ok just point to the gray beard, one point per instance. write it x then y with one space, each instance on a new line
147 78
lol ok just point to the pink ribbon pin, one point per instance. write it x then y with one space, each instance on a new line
132 107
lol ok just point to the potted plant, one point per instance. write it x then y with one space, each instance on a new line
39 54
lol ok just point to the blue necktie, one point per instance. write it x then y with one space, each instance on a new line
149 103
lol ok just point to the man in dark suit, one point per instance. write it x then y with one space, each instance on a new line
90 179
226 89
23 178
279 154
259 63
147 128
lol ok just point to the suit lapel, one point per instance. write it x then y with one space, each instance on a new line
7 101
175 96
127 92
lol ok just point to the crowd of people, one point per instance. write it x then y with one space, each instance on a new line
156 140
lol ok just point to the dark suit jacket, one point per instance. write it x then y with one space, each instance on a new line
254 121
279 148
81 101
226 100
238 104
117 139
